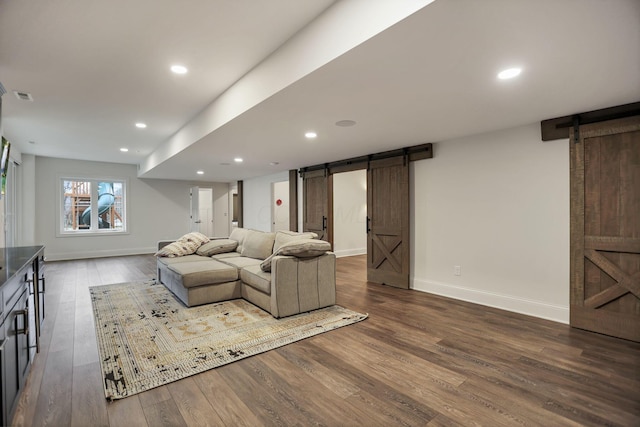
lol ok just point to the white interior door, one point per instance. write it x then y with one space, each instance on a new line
280 206
194 208
220 210
205 201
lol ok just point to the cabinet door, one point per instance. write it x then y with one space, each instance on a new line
41 290
14 357
3 377
31 331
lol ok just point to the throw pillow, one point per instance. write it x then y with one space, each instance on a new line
305 248
239 234
283 237
266 264
178 248
302 248
194 236
258 244
217 246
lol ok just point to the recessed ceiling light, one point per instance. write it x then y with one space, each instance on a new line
141 125
345 123
274 163
23 96
238 160
509 73
310 135
124 150
200 172
179 69
225 164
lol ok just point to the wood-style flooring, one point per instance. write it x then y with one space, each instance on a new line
418 360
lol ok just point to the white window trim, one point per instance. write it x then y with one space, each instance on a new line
61 232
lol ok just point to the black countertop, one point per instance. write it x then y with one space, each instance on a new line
12 260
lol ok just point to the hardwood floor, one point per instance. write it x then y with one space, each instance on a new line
418 359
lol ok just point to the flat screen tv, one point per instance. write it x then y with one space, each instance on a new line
4 163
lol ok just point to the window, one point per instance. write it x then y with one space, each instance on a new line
93 206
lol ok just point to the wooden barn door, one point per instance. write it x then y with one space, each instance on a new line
316 203
605 228
388 222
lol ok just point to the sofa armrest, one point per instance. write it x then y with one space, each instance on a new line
299 285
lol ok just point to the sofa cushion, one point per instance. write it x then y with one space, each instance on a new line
258 244
240 261
217 246
233 254
256 278
302 248
204 272
186 258
178 249
239 234
283 237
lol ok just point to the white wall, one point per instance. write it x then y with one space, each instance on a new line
280 214
28 199
256 200
350 213
156 210
498 206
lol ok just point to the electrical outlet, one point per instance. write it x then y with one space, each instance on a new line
457 270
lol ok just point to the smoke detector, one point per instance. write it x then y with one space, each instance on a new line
23 96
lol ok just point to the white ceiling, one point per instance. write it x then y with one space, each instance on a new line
95 68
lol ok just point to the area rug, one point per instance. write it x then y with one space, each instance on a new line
147 338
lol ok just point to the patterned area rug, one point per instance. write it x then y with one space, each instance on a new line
147 338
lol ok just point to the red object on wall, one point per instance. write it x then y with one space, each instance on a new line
278 202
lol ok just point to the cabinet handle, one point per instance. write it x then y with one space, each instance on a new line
25 320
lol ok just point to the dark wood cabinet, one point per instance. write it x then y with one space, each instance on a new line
21 314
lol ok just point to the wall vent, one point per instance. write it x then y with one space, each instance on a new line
23 96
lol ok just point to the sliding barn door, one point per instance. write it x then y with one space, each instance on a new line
605 228
316 203
388 222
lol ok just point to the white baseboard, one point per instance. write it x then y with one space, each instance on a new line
539 309
350 252
97 254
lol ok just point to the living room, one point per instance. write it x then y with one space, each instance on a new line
489 213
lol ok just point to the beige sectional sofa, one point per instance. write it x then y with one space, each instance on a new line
284 273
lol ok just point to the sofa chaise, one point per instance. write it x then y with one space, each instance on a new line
284 273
